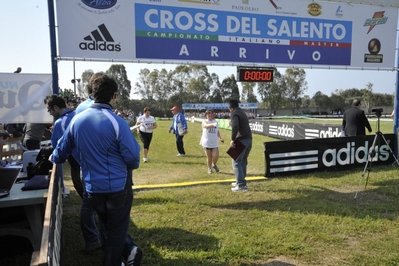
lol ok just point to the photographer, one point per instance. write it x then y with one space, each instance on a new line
355 121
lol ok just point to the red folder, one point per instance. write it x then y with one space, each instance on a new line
236 151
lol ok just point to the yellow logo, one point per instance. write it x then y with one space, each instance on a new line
314 9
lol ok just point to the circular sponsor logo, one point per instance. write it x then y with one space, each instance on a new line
99 4
374 46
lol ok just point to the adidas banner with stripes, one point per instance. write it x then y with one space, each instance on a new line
299 33
331 154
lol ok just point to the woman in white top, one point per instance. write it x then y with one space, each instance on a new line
147 125
209 140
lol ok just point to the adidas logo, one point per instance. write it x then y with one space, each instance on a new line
100 40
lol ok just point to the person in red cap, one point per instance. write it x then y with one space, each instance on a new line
179 128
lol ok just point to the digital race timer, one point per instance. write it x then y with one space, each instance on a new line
254 74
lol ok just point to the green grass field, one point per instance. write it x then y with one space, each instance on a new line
309 219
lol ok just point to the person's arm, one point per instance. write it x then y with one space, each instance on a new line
129 148
154 125
64 147
139 121
365 122
183 121
220 137
171 126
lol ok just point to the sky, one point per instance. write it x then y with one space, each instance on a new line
26 43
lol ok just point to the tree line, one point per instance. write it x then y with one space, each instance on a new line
161 89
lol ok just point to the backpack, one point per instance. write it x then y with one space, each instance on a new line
42 165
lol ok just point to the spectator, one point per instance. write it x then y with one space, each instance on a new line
15 130
33 135
147 125
19 69
87 213
87 103
63 116
107 154
56 106
209 140
179 128
355 121
240 130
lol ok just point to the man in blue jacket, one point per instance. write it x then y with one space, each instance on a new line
107 153
179 127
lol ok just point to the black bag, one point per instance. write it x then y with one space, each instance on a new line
42 165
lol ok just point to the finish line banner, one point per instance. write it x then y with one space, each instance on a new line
22 98
316 155
284 32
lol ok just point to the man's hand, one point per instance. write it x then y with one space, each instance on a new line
232 144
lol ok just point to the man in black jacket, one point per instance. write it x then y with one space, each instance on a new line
241 131
355 121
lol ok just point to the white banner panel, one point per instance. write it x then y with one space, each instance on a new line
239 32
22 98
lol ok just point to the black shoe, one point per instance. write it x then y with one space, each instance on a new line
89 248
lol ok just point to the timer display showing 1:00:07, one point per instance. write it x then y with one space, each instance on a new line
248 75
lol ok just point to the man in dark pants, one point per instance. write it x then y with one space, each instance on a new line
179 127
240 130
56 106
107 153
355 121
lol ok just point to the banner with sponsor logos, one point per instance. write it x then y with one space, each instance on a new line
302 156
235 32
291 131
22 98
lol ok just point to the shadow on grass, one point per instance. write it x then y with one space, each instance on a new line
151 241
176 240
380 201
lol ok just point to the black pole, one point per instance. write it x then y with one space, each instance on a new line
53 45
74 78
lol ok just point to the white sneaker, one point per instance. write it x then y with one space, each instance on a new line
145 160
234 184
209 171
135 256
180 155
239 189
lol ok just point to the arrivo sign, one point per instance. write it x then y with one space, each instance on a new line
254 74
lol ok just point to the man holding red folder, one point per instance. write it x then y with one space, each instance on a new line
240 131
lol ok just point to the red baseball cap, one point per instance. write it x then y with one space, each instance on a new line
174 108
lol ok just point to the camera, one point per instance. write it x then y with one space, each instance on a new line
377 110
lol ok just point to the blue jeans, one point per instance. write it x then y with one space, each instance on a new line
240 165
88 223
113 209
179 144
